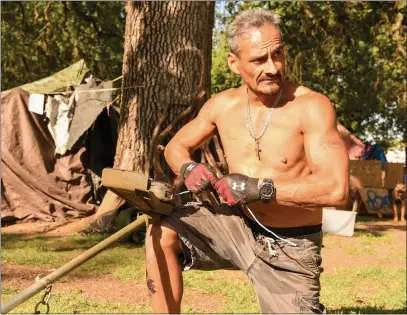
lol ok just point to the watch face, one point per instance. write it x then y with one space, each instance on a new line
267 190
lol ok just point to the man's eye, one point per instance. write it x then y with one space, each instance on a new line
258 60
277 53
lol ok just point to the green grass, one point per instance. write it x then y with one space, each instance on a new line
367 243
116 258
44 251
231 285
376 289
379 288
370 218
369 238
56 252
358 250
396 254
74 303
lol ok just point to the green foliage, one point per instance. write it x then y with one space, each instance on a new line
221 77
41 38
353 52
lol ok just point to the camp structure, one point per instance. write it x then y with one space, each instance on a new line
57 135
374 198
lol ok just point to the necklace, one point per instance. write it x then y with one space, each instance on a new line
250 126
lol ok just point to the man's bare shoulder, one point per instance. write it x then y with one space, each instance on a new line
229 97
224 101
315 107
311 100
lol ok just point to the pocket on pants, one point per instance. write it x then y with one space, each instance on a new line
309 253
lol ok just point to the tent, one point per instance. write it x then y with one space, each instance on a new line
57 136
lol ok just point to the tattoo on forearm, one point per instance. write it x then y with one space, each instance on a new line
150 284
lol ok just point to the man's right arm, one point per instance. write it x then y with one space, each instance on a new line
178 151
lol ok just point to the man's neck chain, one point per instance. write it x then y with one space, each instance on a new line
250 126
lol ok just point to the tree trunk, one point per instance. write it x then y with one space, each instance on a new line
405 138
166 80
167 55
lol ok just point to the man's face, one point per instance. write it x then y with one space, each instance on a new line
261 59
358 153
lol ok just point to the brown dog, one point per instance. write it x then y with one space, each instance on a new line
398 197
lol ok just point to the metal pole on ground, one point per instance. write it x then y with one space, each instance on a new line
73 264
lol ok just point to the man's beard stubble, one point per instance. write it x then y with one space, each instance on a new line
273 92
277 80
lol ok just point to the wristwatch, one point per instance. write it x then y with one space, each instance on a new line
267 190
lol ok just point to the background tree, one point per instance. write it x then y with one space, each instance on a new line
43 37
167 51
353 52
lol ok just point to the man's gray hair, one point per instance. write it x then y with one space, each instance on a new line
249 18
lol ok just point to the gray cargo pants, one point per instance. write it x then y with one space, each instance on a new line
285 278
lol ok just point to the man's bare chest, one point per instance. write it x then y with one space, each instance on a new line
277 145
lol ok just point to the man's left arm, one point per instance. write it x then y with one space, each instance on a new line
328 160
328 183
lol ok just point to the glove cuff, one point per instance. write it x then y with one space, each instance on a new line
252 190
187 168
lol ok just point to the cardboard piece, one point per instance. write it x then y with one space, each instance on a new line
368 172
376 200
394 173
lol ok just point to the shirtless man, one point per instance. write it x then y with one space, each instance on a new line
286 161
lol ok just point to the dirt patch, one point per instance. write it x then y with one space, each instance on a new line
57 229
107 288
337 257
102 288
19 277
33 228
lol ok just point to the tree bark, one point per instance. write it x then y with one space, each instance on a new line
167 52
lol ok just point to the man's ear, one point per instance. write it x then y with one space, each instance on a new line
233 62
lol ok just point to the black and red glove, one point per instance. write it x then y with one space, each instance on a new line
197 176
235 188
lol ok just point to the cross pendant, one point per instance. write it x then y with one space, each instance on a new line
258 149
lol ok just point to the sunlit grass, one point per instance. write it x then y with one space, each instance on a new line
74 303
230 284
379 288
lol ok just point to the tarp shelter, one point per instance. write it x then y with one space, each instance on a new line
53 149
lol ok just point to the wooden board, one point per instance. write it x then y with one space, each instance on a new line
368 172
135 188
394 172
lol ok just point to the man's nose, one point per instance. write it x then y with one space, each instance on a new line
270 67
